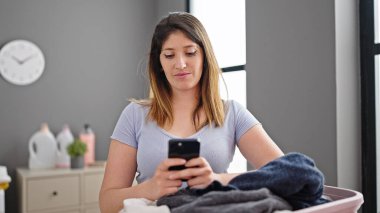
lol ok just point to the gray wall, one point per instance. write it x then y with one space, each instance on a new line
165 6
300 84
303 80
291 76
94 51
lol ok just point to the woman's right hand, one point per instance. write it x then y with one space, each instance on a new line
161 183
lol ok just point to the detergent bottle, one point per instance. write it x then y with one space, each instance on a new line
88 137
42 149
4 184
64 138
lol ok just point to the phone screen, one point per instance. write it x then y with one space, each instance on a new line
183 148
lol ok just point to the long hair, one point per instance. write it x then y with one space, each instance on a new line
209 96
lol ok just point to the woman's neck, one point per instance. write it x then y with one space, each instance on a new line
185 99
184 103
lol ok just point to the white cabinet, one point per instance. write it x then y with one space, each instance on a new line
59 190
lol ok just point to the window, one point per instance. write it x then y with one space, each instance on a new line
229 43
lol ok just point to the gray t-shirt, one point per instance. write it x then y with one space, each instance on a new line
151 141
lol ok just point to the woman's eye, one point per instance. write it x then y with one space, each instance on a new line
169 56
193 53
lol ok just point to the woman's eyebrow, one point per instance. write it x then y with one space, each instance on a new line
184 47
168 48
190 45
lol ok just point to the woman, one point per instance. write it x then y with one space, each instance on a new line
185 103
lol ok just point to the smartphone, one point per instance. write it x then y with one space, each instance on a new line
183 148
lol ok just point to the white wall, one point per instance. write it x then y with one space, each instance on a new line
348 94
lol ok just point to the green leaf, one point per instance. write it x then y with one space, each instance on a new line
77 148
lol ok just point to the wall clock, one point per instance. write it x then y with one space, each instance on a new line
21 62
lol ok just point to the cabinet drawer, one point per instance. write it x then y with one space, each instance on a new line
92 210
52 192
73 211
92 184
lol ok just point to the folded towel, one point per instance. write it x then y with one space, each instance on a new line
187 195
219 199
293 177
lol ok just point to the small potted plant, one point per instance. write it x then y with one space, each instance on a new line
76 150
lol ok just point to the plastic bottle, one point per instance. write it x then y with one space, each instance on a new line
88 137
4 184
64 138
42 149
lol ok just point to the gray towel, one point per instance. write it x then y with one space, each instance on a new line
188 194
235 201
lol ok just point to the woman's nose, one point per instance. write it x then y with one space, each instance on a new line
180 63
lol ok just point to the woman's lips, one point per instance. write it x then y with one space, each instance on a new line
182 74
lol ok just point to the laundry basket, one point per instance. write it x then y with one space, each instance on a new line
344 201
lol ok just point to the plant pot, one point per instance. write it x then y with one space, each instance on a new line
77 162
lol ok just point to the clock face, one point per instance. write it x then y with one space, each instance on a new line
21 62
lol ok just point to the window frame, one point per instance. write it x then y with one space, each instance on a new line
368 51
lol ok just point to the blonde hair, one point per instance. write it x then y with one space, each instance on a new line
160 91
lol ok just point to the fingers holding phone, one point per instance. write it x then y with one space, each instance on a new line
169 163
198 173
161 183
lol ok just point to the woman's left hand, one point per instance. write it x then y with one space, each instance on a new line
198 173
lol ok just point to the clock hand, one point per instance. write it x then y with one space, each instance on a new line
16 59
27 58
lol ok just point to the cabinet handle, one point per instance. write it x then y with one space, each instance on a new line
55 193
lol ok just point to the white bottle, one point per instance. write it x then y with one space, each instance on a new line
64 138
42 149
4 181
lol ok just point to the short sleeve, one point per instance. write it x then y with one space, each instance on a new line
125 129
244 120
